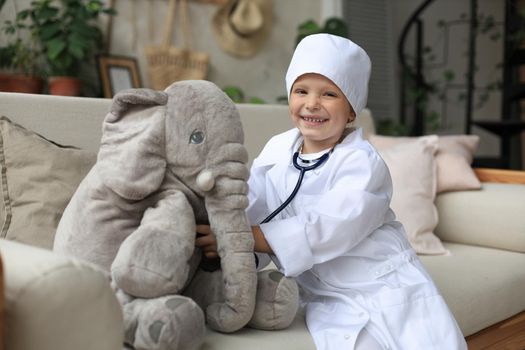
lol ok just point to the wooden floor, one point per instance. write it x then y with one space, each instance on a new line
506 335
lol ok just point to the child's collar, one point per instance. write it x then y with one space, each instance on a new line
281 147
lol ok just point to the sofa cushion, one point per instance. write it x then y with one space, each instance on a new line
482 286
295 337
469 217
470 279
57 303
38 179
453 157
413 170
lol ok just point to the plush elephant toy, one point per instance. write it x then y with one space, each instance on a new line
169 160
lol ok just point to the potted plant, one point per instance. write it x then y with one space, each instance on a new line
332 25
21 57
69 35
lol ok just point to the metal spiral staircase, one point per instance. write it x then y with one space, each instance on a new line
510 125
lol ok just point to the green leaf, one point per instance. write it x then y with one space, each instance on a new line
76 50
309 27
55 47
48 13
110 12
257 100
49 30
448 75
283 100
234 93
81 28
78 39
22 15
94 6
336 26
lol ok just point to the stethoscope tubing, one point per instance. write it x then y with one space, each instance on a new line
303 170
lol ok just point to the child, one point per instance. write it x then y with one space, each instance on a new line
362 284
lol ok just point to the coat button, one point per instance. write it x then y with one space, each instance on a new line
347 336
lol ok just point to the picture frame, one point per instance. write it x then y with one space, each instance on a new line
118 73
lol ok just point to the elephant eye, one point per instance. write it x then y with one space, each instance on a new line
197 137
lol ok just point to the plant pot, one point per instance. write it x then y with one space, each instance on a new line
21 83
65 86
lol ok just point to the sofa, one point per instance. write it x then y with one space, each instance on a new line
55 302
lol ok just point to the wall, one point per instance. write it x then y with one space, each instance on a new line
261 76
140 23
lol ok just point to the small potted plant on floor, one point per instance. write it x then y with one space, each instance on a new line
70 38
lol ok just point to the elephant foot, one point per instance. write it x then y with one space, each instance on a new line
277 301
144 265
167 323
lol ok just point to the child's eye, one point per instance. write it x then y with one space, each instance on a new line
300 91
330 94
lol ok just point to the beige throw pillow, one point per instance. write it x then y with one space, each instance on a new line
413 169
38 180
454 158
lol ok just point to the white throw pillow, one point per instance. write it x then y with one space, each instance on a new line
453 159
413 169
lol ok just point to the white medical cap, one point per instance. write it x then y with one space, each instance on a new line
339 59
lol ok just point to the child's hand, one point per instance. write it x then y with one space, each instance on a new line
206 241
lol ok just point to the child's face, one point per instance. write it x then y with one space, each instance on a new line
320 110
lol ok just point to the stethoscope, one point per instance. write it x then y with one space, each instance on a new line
303 170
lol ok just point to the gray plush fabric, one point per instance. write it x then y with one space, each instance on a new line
167 161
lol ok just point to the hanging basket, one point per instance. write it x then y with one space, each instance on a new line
168 63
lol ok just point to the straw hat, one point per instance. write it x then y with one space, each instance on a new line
242 26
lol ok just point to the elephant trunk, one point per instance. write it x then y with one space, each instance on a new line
226 200
235 248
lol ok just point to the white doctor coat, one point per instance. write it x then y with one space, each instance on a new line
339 239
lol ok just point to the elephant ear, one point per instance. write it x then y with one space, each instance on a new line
131 160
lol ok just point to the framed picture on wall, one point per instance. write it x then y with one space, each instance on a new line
118 73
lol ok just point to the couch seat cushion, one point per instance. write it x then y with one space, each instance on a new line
295 337
482 286
470 279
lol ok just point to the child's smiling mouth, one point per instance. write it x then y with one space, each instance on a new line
314 120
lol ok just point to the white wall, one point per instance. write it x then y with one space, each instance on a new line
140 23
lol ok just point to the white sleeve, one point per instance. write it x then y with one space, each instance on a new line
356 203
257 208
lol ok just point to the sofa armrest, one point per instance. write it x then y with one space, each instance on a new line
55 302
491 217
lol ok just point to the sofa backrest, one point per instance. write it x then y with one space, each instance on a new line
77 121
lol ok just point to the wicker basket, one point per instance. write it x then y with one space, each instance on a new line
168 63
